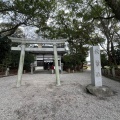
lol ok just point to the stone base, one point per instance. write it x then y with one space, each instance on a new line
102 91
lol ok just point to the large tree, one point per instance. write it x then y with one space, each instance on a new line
24 12
69 22
106 31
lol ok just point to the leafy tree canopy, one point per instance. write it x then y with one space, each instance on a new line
82 23
24 12
115 6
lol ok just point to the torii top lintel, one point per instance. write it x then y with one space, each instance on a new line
24 41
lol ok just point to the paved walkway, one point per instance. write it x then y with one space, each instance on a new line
39 99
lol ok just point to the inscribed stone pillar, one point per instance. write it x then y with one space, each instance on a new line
7 72
32 65
113 71
21 63
96 77
56 65
60 66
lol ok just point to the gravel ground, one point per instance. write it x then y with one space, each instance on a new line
39 99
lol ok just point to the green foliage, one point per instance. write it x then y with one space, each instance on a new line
104 61
73 60
117 54
15 56
67 60
5 46
29 58
7 60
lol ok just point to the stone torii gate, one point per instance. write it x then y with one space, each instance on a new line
24 41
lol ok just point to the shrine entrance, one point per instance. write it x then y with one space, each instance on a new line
53 50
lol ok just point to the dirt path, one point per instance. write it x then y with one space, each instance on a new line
39 99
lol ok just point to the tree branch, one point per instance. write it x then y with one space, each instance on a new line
10 31
105 17
115 6
7 9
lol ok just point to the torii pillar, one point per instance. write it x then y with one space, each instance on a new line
56 65
21 64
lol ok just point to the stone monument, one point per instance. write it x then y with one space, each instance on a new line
32 67
96 77
96 87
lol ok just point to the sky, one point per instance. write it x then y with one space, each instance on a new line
29 32
1 20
